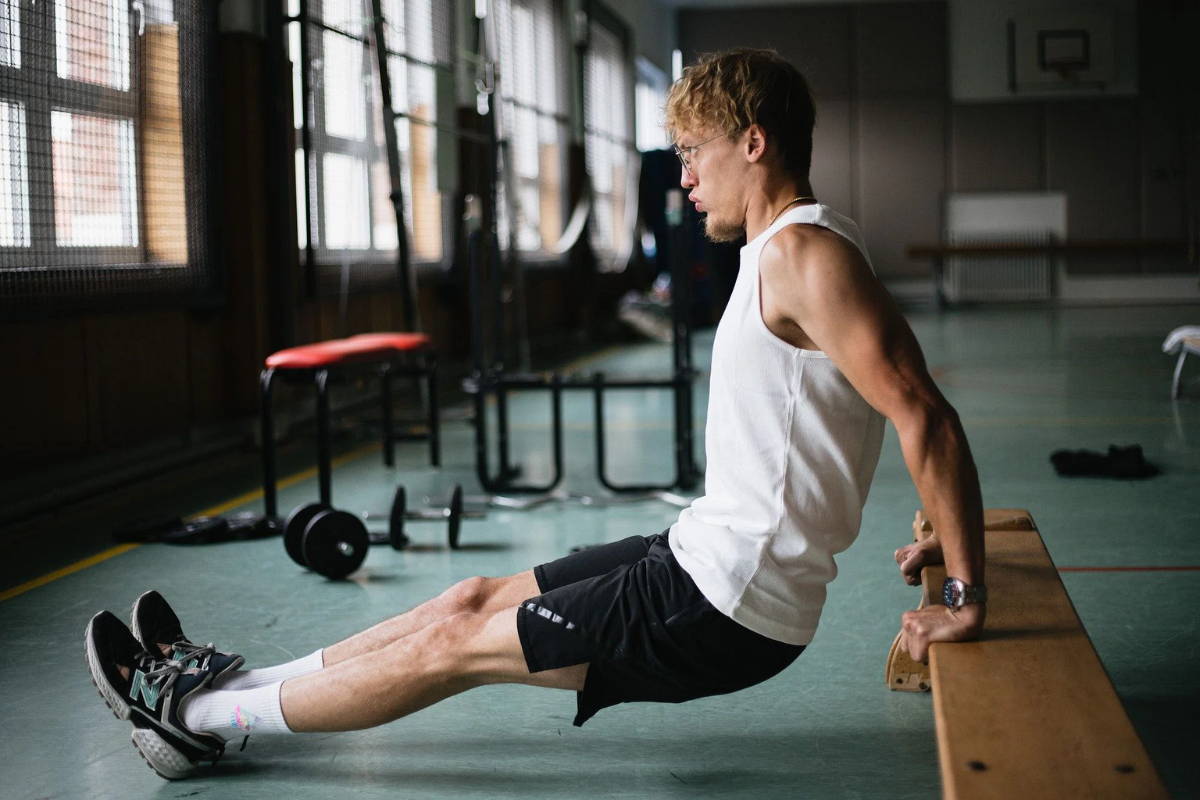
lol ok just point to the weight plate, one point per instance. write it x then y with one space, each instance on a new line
293 529
399 540
335 543
456 511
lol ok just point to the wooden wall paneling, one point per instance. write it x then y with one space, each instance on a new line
44 409
306 322
207 372
996 147
379 315
137 371
1092 155
432 310
245 221
901 175
328 318
356 316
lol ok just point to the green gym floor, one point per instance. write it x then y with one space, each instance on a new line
1025 381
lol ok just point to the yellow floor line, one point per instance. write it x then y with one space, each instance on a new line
61 573
91 561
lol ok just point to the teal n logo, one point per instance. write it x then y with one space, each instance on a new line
148 691
179 655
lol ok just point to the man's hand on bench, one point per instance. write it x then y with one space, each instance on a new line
913 557
937 623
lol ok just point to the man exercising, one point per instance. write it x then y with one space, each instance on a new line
810 356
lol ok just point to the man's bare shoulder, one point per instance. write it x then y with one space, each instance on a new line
807 253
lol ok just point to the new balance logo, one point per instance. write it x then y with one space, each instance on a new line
180 655
148 691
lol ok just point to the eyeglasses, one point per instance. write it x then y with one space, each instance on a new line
684 153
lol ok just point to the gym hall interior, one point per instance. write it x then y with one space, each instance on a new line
312 309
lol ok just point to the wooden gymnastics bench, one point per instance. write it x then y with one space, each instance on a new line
1027 711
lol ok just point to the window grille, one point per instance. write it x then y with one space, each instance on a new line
104 136
608 132
531 87
650 104
343 189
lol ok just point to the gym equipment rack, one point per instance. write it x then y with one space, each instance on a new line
490 378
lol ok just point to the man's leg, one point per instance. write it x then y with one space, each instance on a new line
444 658
471 596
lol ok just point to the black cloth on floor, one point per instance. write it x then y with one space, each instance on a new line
201 530
1121 462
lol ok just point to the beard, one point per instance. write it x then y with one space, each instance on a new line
721 230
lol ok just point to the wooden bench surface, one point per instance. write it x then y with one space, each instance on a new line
1029 711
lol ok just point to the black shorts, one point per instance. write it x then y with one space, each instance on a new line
637 618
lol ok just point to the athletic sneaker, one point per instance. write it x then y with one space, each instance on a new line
154 622
149 695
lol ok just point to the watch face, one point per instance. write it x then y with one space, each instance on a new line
951 593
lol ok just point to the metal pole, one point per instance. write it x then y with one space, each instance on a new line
408 278
389 441
324 466
270 502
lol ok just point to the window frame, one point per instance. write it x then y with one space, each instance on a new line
599 14
370 268
111 276
508 104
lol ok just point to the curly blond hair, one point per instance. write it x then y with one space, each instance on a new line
729 91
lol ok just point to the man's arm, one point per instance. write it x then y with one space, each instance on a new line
819 282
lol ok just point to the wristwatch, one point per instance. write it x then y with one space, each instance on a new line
956 594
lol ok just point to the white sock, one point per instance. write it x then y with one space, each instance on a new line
253 678
232 714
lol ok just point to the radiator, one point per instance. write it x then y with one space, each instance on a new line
1003 276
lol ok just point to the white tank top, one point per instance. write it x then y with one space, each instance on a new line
791 449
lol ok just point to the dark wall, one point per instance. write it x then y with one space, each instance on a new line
890 142
86 385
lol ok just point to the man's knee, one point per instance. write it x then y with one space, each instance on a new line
479 595
468 596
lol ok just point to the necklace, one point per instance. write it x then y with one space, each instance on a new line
788 205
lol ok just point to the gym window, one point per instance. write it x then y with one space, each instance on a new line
102 173
344 211
533 121
650 102
608 134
